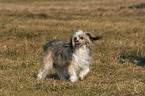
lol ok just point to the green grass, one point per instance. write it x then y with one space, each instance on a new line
119 58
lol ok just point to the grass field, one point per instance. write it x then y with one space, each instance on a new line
118 65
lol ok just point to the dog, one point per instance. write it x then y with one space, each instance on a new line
70 59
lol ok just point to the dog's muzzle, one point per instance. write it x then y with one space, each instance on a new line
77 43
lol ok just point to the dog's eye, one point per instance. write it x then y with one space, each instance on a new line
75 39
82 38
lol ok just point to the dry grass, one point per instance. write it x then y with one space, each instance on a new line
119 58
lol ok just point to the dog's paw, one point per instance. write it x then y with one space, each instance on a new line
81 76
73 79
39 76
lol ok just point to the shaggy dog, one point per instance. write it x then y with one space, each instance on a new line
69 58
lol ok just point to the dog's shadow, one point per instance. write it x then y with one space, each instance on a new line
53 76
139 60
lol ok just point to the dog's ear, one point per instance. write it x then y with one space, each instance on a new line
92 38
72 43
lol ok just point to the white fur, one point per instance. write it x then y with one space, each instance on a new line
80 63
81 57
78 33
47 66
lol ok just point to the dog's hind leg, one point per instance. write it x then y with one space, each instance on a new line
62 73
46 65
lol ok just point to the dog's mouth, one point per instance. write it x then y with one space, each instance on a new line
78 44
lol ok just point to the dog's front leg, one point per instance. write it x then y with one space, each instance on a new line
85 70
73 73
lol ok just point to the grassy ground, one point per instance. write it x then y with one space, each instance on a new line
119 58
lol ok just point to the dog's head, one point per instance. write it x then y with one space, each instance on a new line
81 38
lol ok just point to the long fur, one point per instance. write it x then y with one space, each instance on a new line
69 58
